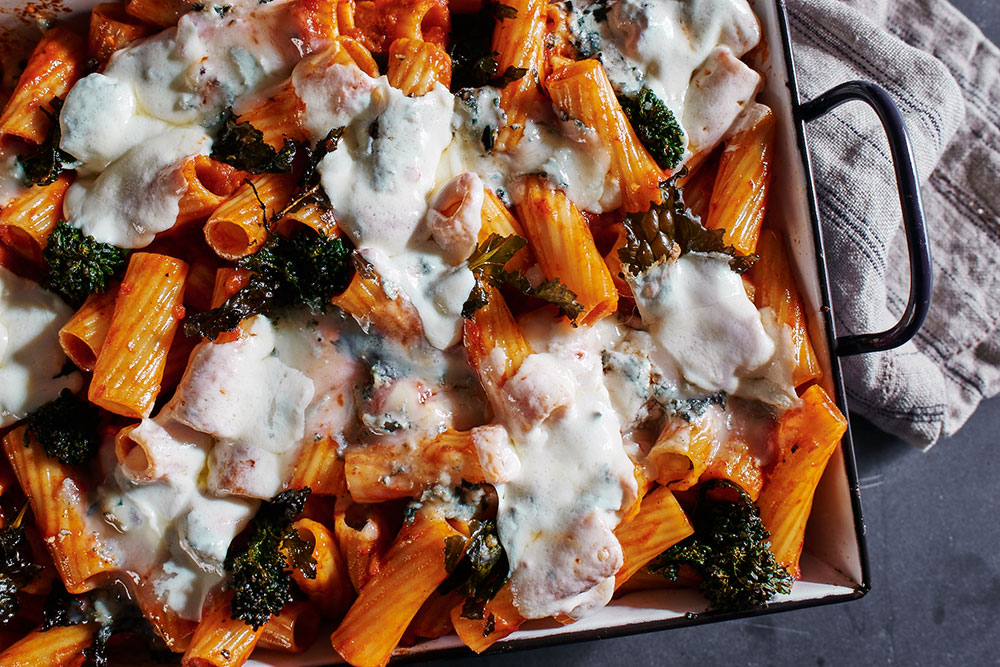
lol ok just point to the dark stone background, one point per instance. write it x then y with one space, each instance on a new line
934 546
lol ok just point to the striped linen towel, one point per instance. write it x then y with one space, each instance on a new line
945 77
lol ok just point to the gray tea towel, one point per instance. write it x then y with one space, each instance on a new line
945 77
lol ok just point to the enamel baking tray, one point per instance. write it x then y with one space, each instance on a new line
834 562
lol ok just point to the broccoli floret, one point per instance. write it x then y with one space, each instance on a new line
304 270
260 578
656 126
66 428
17 566
242 145
730 549
79 266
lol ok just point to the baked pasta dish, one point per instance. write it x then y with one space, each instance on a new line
363 322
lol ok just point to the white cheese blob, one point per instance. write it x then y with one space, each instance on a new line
381 175
698 313
252 403
100 122
566 152
138 195
188 74
557 515
135 123
379 180
332 96
170 530
31 359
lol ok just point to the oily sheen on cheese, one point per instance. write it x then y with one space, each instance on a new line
406 186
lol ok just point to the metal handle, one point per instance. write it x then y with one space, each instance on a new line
921 278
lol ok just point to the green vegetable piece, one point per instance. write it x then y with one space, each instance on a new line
305 270
17 566
66 428
487 265
310 189
669 230
79 266
656 127
480 572
242 145
62 608
260 580
729 549
47 161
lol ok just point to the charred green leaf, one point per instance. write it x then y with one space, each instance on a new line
670 229
310 190
242 145
62 608
44 164
17 566
66 428
474 64
481 571
305 270
78 265
487 264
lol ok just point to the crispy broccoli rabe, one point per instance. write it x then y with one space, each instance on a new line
487 265
261 580
78 265
303 270
242 145
17 566
478 567
669 230
66 428
656 126
730 550
47 161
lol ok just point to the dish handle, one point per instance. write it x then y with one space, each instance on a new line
921 278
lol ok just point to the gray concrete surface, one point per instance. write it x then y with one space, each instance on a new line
934 546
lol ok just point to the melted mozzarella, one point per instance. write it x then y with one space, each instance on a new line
557 514
31 360
188 74
135 123
567 153
252 403
138 196
379 180
170 529
698 313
